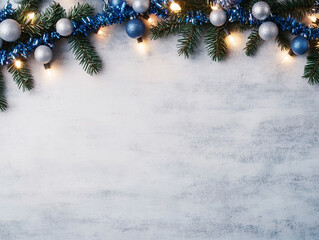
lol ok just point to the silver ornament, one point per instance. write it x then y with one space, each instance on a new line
43 54
64 27
10 30
218 17
17 1
1 42
268 31
261 10
141 6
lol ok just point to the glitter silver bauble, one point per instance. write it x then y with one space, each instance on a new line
268 31
218 17
10 30
261 10
17 1
43 54
64 27
141 6
1 42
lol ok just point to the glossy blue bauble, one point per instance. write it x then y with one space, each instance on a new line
135 28
116 3
300 45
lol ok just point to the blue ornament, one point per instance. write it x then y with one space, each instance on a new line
116 3
135 28
300 45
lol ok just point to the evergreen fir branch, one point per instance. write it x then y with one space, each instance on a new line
311 71
283 41
295 8
79 11
33 29
190 35
166 27
215 40
3 102
26 7
22 76
253 42
50 16
84 51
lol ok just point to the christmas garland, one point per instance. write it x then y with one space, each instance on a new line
25 30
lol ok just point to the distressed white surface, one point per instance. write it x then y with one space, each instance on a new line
158 147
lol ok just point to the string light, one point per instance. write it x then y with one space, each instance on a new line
229 37
288 56
313 19
18 64
214 7
175 7
29 18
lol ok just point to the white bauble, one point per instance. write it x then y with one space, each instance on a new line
141 6
64 27
268 31
218 17
10 30
43 54
261 10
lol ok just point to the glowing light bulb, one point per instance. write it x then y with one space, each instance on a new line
18 64
313 18
231 39
31 15
175 7
214 7
100 32
151 21
49 72
287 57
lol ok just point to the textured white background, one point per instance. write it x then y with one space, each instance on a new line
158 147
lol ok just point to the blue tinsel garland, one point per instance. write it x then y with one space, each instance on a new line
117 15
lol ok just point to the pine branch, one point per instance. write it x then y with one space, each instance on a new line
3 102
50 16
254 41
26 7
295 8
283 41
84 51
190 35
166 27
22 76
79 11
311 71
215 40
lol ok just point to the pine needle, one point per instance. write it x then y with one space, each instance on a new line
22 76
254 41
3 102
85 52
215 40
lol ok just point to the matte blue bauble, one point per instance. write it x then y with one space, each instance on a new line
300 45
135 28
116 3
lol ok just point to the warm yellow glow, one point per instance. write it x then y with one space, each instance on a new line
18 64
48 72
286 58
100 32
313 18
151 21
175 7
214 7
231 39
31 15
